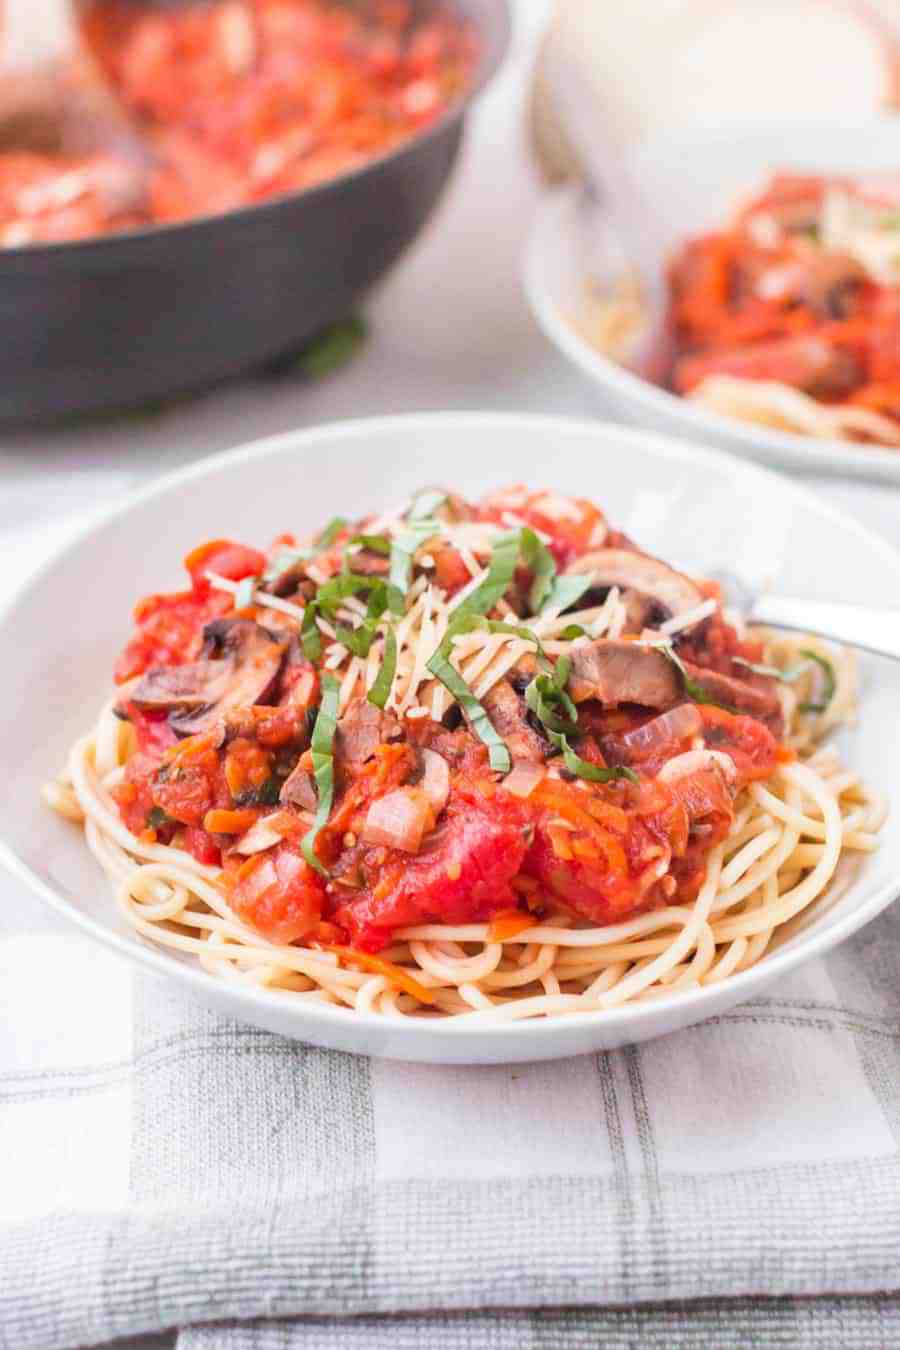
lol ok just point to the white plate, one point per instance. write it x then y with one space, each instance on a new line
62 632
698 177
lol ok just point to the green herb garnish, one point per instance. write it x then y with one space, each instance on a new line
592 773
442 669
500 573
794 672
157 818
403 549
694 691
332 348
384 680
286 558
322 748
830 683
566 591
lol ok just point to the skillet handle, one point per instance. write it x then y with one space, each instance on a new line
874 630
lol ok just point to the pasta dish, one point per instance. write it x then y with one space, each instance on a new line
790 316
488 760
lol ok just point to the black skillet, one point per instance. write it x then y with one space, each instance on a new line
130 318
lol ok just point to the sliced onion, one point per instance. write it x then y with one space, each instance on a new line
524 777
675 725
260 836
399 819
696 760
436 780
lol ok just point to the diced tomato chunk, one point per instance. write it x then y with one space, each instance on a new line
751 745
461 876
279 894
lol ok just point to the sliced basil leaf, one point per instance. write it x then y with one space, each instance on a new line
566 591
830 683
571 632
310 637
246 592
774 672
375 543
540 562
285 559
501 570
694 691
592 773
359 640
551 704
322 748
403 549
381 689
442 669
332 347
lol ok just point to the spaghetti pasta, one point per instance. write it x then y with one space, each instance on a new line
769 855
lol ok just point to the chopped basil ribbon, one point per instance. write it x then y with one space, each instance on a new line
539 561
794 672
573 631
425 504
322 747
593 773
246 592
830 685
403 549
285 559
694 691
359 640
566 591
381 689
328 600
547 698
375 543
500 573
442 669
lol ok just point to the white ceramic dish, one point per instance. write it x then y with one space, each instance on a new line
698 177
61 633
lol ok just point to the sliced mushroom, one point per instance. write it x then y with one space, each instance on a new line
191 686
624 672
360 732
652 591
509 717
757 696
298 789
239 667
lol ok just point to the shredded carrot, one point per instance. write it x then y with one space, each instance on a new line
509 923
229 822
785 755
190 748
378 966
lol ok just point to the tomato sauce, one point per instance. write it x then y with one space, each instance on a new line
240 100
599 852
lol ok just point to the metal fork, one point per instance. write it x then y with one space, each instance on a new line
873 630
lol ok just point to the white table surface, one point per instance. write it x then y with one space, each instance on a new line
449 329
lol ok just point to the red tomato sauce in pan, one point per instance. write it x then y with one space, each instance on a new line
240 100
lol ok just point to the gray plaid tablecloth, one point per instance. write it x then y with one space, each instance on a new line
160 1166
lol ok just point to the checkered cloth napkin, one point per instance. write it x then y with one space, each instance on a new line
163 1167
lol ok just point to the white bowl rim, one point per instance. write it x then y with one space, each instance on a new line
838 456
628 1017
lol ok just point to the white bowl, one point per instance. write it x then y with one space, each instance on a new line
61 633
697 177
